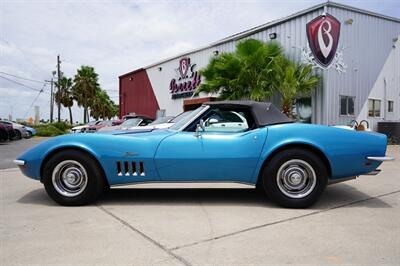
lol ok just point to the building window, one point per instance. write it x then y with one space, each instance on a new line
390 106
302 110
346 105
374 108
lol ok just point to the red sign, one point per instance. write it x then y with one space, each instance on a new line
323 37
187 81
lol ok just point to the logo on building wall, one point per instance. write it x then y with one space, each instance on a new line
323 34
186 81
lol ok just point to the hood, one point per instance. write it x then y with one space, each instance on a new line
118 131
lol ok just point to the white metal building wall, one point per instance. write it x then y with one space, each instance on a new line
387 86
367 43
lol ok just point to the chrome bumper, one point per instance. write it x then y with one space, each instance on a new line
381 159
19 162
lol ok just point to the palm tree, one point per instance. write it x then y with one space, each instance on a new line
102 106
291 80
84 89
99 105
243 74
64 95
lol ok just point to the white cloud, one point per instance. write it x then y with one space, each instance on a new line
116 37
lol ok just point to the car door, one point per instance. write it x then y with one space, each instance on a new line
219 153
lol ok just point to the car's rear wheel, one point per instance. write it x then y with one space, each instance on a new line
72 177
295 178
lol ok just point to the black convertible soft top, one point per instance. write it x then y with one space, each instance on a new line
264 113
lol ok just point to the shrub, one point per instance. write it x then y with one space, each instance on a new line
48 131
63 126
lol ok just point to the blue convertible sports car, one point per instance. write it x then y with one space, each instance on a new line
231 141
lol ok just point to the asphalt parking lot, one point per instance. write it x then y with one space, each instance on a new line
357 222
11 149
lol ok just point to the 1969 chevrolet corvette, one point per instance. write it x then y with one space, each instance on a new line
231 141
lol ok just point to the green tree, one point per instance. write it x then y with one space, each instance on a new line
84 88
64 95
243 74
102 106
292 80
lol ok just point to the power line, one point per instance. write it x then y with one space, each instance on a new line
18 77
34 100
21 84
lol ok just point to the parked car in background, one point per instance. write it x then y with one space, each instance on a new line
104 124
133 115
19 130
3 133
94 126
31 132
129 121
9 129
83 128
164 122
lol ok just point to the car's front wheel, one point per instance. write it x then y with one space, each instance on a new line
28 135
72 177
295 178
17 135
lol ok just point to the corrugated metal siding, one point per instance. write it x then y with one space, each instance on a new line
367 43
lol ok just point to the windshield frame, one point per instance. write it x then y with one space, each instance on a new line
190 118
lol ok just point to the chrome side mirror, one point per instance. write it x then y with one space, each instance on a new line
199 128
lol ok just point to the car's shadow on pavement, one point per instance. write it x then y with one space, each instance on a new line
334 196
186 196
37 197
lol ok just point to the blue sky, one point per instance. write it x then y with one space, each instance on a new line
116 37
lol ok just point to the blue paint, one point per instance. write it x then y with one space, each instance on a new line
170 155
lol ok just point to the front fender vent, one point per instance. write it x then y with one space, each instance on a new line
126 168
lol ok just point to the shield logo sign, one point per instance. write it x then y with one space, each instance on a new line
184 67
323 37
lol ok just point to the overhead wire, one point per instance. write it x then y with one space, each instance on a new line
34 100
21 84
19 77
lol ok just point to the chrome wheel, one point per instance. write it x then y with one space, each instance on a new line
296 178
69 178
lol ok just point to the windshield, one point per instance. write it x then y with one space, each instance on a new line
180 116
187 118
131 122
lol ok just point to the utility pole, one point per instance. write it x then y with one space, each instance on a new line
51 96
51 100
58 88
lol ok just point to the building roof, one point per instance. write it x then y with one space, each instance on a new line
264 113
267 25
